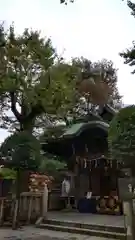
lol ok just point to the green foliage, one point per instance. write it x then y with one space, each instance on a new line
21 151
33 80
51 166
7 173
121 136
52 132
38 86
129 54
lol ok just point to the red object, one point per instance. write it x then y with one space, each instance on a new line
37 181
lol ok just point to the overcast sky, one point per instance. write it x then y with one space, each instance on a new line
97 29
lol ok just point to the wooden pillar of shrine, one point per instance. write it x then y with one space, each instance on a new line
81 179
76 181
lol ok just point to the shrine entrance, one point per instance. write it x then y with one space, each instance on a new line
85 149
100 179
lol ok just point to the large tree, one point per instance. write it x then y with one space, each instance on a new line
33 80
37 86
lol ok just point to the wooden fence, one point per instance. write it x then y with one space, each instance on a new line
32 207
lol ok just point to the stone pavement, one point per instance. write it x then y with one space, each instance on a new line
32 233
95 219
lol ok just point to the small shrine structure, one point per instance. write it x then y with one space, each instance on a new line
84 146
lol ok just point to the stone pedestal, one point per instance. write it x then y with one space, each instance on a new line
129 219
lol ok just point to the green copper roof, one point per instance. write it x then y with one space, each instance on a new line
77 128
73 129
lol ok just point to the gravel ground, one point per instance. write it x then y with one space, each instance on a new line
32 233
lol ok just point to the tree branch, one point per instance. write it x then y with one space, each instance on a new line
13 106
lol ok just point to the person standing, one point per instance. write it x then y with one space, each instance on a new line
65 191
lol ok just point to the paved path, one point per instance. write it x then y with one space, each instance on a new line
32 233
95 219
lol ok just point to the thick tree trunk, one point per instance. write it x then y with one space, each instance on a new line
24 181
26 125
15 223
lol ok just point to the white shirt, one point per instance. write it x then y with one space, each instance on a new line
65 188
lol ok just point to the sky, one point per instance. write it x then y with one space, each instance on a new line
94 29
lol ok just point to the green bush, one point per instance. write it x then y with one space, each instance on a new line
121 136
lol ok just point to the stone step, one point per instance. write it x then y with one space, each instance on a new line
95 227
85 231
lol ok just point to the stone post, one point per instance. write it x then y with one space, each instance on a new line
45 202
127 195
129 219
